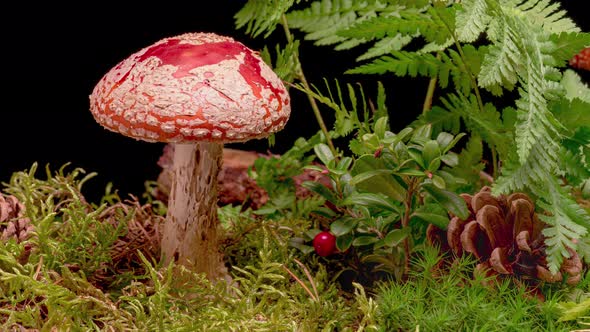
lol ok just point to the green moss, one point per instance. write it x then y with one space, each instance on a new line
454 301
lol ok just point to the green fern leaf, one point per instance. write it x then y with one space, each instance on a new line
575 156
566 219
472 20
486 123
470 165
385 46
401 63
346 110
517 176
435 25
323 20
499 65
441 120
261 16
286 63
572 114
575 88
546 15
573 166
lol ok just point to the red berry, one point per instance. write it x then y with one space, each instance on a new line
324 243
581 60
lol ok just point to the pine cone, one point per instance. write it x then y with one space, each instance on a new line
13 224
504 234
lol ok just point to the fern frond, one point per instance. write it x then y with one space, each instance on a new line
385 46
575 88
472 20
572 114
260 16
566 219
486 122
441 120
573 166
470 164
435 25
403 63
324 19
517 176
546 15
499 65
346 110
286 62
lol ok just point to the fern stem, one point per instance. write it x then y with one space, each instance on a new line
470 72
494 162
430 92
467 67
406 223
303 80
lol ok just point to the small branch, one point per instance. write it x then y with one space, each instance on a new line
430 92
494 163
467 68
406 222
312 102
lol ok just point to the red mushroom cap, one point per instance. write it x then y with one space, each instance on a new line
192 87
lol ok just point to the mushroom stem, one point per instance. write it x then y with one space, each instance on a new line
190 232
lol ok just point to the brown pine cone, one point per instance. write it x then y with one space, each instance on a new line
504 234
13 223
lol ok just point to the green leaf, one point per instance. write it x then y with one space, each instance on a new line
322 190
364 176
381 125
370 200
572 114
343 226
439 182
450 159
344 242
364 240
383 183
441 221
430 151
396 236
444 140
448 199
417 157
324 153
411 172
297 243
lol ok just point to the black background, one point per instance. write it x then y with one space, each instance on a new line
53 55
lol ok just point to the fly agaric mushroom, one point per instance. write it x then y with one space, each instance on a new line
197 91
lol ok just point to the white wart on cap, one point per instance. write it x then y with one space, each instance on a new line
192 87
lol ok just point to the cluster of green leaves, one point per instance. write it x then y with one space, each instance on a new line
484 48
439 300
45 280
